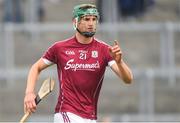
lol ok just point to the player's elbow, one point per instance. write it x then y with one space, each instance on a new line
36 68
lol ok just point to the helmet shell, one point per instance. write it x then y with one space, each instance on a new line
85 9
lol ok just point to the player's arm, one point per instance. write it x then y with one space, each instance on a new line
123 71
120 67
29 99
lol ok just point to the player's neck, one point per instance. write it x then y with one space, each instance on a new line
82 39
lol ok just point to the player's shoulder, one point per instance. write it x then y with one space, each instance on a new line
102 43
64 42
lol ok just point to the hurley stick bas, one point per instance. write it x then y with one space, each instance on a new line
46 88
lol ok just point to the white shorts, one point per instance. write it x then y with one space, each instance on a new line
68 117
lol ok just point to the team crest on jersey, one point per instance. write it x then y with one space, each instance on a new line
94 54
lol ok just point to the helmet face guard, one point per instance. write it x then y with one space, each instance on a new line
83 10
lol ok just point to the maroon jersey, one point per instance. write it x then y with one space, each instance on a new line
81 70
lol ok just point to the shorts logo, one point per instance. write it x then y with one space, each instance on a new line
69 52
94 54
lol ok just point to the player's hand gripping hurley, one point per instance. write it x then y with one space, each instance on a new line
46 88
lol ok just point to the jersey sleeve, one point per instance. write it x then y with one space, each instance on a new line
49 57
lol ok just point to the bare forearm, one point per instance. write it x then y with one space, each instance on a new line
120 68
29 99
125 72
34 73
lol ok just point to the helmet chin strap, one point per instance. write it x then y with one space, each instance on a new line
86 34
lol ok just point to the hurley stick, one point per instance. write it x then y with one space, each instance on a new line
46 88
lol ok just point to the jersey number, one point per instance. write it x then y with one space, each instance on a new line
82 56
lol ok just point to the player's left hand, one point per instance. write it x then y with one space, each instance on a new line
116 52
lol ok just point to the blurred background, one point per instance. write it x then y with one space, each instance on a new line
147 30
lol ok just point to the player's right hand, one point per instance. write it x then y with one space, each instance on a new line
29 102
